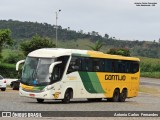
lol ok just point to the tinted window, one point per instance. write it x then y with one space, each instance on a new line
134 67
59 69
102 65
108 66
98 65
75 64
87 64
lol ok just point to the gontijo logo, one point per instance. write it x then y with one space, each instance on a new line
115 77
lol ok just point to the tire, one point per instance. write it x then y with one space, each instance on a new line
115 97
14 86
123 96
67 96
3 89
94 99
40 100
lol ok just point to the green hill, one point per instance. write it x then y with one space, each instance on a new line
72 39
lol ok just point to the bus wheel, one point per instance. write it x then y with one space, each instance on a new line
40 100
67 96
123 96
115 97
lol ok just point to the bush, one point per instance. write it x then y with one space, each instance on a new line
37 42
13 57
119 51
149 64
8 70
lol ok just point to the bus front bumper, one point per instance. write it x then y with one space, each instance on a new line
41 95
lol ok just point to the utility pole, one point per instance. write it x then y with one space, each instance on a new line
57 12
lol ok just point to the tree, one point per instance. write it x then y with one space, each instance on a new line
106 36
5 38
98 45
119 51
37 42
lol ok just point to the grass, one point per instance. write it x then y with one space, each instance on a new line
150 74
150 67
6 52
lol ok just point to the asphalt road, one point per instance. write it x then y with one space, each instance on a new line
11 101
150 81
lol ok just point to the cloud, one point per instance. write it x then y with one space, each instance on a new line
121 19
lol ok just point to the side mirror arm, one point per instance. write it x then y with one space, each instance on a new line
52 66
18 63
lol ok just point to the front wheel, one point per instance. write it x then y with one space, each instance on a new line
67 96
40 100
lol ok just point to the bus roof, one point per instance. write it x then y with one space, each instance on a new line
56 52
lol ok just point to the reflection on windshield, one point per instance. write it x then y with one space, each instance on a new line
36 71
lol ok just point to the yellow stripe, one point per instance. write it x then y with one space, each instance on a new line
102 55
27 87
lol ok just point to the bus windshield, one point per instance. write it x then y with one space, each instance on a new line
36 71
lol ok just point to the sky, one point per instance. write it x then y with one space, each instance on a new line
121 19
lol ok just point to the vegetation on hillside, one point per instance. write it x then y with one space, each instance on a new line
97 46
119 51
37 42
29 36
5 39
150 67
26 30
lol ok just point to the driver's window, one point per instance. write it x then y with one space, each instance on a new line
74 64
56 74
59 69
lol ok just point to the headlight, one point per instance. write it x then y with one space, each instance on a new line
48 88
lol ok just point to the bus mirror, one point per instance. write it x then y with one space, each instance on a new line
52 66
18 63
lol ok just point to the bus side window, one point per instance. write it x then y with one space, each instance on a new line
134 67
74 65
87 64
108 65
98 65
127 67
121 66
113 68
59 69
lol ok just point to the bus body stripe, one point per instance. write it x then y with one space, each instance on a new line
87 82
95 81
91 82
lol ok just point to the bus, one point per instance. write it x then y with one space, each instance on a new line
65 74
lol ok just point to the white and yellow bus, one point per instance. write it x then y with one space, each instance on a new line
64 74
